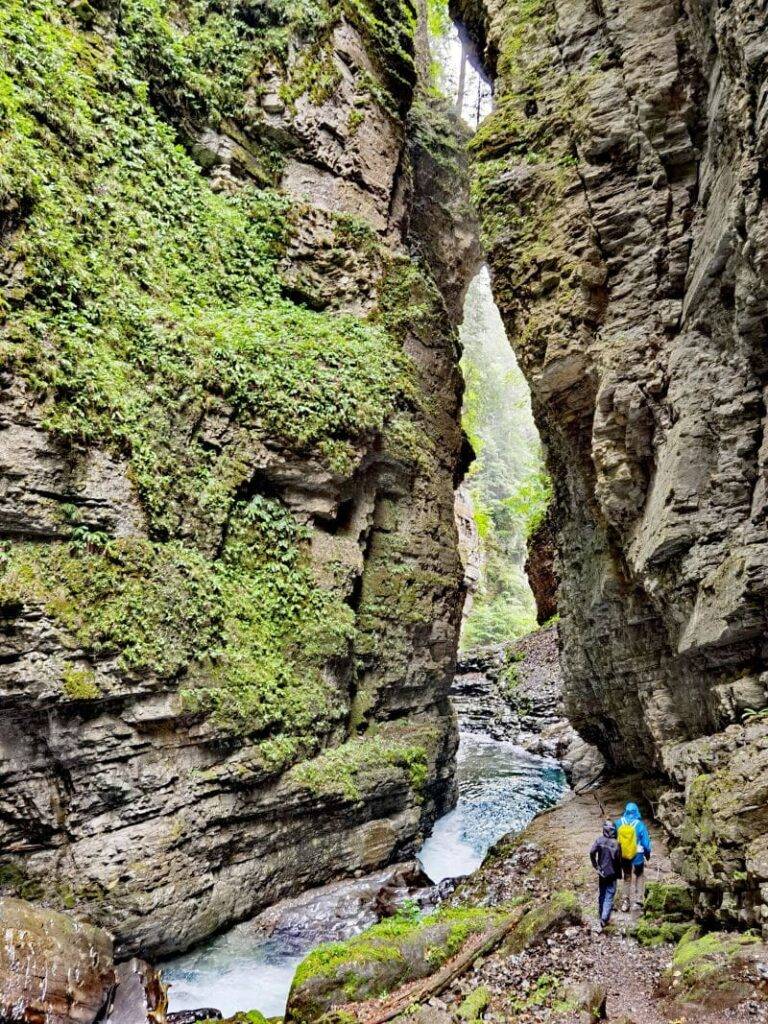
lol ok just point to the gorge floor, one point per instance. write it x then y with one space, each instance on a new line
547 981
557 969
501 788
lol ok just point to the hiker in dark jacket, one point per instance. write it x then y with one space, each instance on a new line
606 860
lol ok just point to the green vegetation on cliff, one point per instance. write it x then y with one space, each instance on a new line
507 482
343 770
145 313
252 628
147 300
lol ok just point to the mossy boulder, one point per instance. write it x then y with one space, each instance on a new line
381 959
655 933
667 914
245 1017
474 1004
672 902
716 970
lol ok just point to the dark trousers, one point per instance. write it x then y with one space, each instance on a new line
605 896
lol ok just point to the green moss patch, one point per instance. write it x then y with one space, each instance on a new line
697 956
667 914
667 900
79 683
542 918
472 1007
349 768
146 299
381 959
250 632
650 932
712 971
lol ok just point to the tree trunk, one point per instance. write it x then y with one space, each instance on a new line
462 79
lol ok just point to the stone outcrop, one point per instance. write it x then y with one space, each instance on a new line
229 439
514 692
52 967
57 969
621 182
470 546
540 568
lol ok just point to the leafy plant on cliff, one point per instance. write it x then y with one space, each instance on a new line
251 630
342 770
146 299
146 314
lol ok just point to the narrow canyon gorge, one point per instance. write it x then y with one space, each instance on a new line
290 291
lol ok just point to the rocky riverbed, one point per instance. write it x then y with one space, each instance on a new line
524 947
514 692
506 773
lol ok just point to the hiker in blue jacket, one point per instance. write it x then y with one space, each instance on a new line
635 842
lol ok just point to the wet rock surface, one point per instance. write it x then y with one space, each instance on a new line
59 970
515 692
118 795
52 967
340 909
640 324
540 567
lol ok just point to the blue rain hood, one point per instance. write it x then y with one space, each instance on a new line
632 816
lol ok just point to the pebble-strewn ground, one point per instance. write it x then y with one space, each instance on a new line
538 983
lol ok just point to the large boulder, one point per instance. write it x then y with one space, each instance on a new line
717 971
380 960
58 970
52 967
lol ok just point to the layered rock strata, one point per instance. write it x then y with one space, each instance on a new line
229 440
622 184
514 692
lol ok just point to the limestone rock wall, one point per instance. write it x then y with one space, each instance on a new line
540 567
622 184
229 439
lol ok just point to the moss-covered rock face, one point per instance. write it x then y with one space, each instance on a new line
540 919
667 914
630 269
714 971
382 959
230 434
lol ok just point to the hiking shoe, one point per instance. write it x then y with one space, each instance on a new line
600 927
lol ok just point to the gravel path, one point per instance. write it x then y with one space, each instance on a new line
536 985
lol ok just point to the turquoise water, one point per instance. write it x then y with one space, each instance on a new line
501 788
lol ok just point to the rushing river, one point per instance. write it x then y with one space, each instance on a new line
501 788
